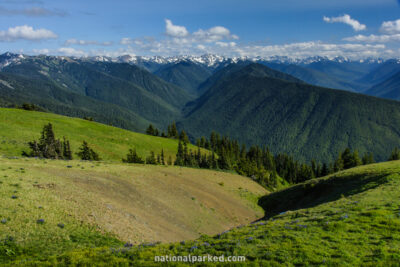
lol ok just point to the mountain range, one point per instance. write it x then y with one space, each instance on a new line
285 104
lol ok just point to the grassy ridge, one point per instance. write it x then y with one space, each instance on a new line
17 127
360 227
103 204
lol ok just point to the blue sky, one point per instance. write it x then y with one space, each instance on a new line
352 28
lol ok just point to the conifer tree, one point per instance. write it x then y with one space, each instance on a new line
86 153
151 159
48 146
395 154
338 165
172 131
133 157
179 161
150 130
67 154
162 157
183 137
368 158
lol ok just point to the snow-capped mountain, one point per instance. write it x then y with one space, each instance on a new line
9 58
209 60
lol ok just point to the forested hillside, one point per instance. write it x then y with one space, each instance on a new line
292 117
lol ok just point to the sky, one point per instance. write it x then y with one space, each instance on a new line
254 28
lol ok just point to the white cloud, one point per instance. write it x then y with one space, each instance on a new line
346 19
26 32
213 34
224 44
86 42
125 41
374 38
316 48
391 27
69 51
175 30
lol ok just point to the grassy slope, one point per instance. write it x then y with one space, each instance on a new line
127 203
360 226
17 127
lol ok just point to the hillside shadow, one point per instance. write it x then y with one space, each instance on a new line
317 192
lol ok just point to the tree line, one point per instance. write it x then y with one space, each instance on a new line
258 162
222 153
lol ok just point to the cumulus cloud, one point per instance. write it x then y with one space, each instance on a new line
213 34
69 51
315 48
86 42
374 38
346 19
224 44
32 12
175 30
391 27
26 32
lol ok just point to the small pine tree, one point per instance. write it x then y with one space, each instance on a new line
133 157
172 131
86 153
151 159
338 165
183 137
67 154
179 161
395 154
368 158
162 157
48 146
324 170
150 130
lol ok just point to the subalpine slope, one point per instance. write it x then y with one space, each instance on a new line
53 207
349 218
18 127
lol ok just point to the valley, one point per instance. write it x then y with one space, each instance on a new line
279 120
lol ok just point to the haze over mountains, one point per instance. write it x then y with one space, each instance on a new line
278 102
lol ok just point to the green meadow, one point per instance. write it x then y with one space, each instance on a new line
18 127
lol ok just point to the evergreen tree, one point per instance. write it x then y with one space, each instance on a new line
162 157
133 157
67 154
172 131
395 154
368 158
338 165
86 153
324 170
179 161
48 146
150 130
151 159
183 137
